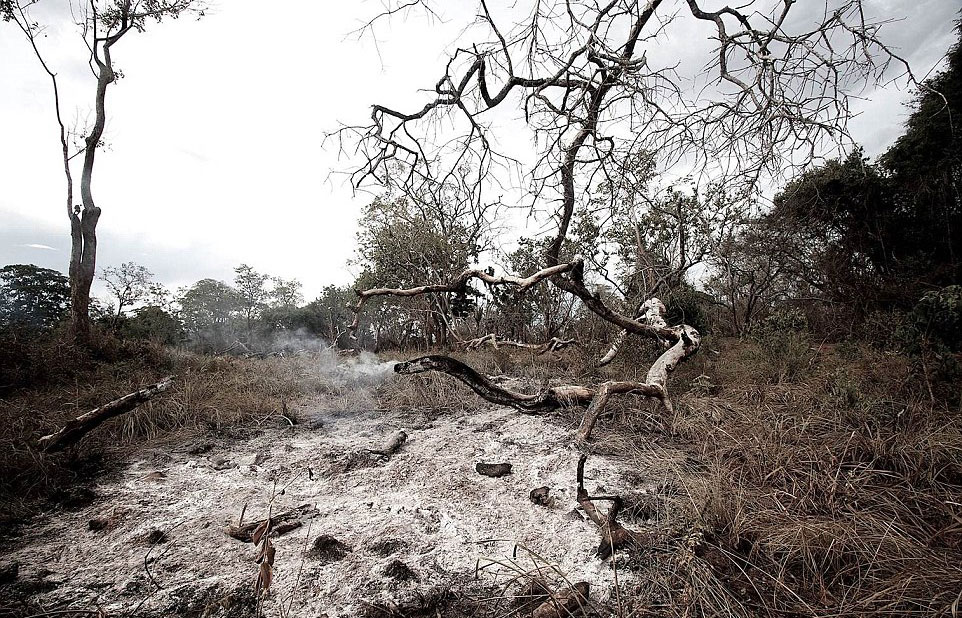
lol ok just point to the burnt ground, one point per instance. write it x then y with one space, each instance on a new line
419 533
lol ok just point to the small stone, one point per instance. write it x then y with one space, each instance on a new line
539 496
494 470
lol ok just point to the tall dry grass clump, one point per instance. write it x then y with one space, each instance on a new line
833 493
48 382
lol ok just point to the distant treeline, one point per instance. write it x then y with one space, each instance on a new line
852 248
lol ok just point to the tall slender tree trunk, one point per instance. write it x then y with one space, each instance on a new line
83 222
83 265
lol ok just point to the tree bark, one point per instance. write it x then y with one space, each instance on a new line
83 225
552 345
545 401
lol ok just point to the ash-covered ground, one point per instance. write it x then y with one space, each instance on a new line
420 531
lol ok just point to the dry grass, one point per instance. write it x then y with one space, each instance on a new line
834 495
805 481
209 394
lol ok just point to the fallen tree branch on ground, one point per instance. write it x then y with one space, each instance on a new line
278 524
552 345
613 534
76 429
556 397
545 401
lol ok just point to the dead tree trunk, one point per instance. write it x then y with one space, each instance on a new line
545 401
554 397
76 429
685 343
83 225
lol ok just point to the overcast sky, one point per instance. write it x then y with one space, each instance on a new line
214 134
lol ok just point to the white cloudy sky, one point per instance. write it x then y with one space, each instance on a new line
215 131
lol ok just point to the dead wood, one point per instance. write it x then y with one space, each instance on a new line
545 401
556 396
458 284
494 470
613 534
279 524
652 312
531 596
76 429
552 345
564 603
390 447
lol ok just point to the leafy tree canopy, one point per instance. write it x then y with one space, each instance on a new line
32 296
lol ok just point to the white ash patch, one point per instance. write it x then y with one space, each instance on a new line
426 507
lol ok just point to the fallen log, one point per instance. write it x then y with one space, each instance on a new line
390 447
556 396
279 524
76 429
545 401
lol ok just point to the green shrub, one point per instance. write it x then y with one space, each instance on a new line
783 337
937 317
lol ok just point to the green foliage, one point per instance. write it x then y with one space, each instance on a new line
32 297
784 341
404 243
153 323
252 290
209 305
537 314
686 305
925 161
877 236
938 317
286 293
130 284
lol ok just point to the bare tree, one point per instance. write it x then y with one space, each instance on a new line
598 95
596 104
103 23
